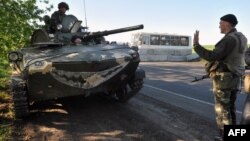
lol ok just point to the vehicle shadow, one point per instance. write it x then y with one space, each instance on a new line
91 118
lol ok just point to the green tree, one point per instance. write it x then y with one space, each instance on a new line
18 20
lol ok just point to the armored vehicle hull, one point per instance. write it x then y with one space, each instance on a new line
79 70
57 71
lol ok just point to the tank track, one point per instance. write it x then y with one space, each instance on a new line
125 93
19 96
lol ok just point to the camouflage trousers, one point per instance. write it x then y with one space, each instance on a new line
225 89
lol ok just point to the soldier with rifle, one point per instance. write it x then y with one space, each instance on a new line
57 16
225 67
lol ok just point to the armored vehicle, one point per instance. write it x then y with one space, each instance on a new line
55 66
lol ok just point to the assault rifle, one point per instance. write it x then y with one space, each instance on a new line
199 78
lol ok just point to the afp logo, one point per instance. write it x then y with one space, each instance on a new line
237 132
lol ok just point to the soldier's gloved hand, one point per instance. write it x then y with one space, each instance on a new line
77 41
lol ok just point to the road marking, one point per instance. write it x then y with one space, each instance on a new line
180 95
174 70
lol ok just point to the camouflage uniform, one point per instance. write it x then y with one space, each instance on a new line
225 74
56 18
225 88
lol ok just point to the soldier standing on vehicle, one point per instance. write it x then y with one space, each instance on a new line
225 67
57 16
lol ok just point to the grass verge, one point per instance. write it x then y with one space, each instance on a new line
6 109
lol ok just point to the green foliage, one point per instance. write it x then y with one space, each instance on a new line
18 20
6 113
4 132
4 74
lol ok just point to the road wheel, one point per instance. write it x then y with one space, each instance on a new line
19 96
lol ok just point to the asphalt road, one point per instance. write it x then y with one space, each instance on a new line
170 82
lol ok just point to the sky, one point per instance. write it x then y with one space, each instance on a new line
161 16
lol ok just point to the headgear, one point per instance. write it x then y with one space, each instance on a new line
63 4
230 18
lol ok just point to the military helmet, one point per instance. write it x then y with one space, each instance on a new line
63 4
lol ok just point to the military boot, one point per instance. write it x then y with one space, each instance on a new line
219 137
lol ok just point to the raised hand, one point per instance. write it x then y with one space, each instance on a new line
196 37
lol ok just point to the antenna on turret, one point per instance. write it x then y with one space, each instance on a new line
85 14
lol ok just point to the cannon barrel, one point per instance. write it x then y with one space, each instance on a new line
98 34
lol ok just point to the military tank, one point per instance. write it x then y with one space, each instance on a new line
54 66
